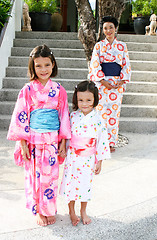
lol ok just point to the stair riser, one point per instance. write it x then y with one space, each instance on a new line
82 63
76 44
18 83
139 112
146 56
73 36
124 126
125 112
127 99
75 53
81 74
62 63
138 126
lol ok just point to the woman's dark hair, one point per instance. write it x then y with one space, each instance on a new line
83 87
41 51
109 19
106 19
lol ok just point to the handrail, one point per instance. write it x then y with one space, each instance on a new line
6 23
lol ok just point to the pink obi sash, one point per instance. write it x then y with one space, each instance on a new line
83 146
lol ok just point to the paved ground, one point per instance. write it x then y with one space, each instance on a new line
123 207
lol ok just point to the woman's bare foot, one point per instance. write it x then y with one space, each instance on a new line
85 218
112 149
41 220
74 219
51 220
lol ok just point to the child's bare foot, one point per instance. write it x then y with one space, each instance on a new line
41 220
51 220
85 218
74 219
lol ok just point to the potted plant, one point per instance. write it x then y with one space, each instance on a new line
141 11
5 7
40 12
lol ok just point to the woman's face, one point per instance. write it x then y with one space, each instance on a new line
109 30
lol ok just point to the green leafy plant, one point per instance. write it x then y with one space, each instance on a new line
144 7
5 7
49 6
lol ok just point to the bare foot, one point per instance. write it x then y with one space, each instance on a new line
74 219
41 220
51 220
85 218
112 149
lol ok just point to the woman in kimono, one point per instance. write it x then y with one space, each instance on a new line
87 148
110 69
38 125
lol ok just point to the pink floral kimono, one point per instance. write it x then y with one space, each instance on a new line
42 171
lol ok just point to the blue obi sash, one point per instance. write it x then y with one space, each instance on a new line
44 120
111 69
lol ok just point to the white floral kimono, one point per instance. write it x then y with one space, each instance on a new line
110 100
89 144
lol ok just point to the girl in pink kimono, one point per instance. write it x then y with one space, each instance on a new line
38 125
110 69
87 148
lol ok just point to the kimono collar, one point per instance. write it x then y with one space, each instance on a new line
37 85
107 42
91 114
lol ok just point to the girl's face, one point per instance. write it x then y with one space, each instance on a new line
43 69
109 30
85 101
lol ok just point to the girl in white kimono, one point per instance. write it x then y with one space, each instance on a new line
110 69
87 148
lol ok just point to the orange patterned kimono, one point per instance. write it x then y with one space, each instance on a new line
110 100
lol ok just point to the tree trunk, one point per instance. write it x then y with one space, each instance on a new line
87 29
110 8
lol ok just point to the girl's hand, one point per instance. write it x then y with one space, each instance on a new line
107 84
98 167
25 151
62 149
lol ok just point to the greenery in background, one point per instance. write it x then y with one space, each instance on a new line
49 6
5 7
144 7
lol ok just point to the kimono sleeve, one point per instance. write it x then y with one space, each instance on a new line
102 146
65 131
95 70
126 67
19 125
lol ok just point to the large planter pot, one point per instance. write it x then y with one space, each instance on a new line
56 22
40 21
140 23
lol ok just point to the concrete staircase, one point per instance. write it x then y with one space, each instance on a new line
139 108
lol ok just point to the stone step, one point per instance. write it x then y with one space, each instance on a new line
82 73
7 107
75 44
73 36
134 125
58 52
138 125
82 63
79 53
129 98
69 84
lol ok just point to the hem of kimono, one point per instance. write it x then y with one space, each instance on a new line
34 214
75 200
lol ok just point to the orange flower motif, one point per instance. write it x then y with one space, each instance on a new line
99 107
120 89
95 64
118 114
104 49
120 57
105 90
114 131
104 116
98 46
114 106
